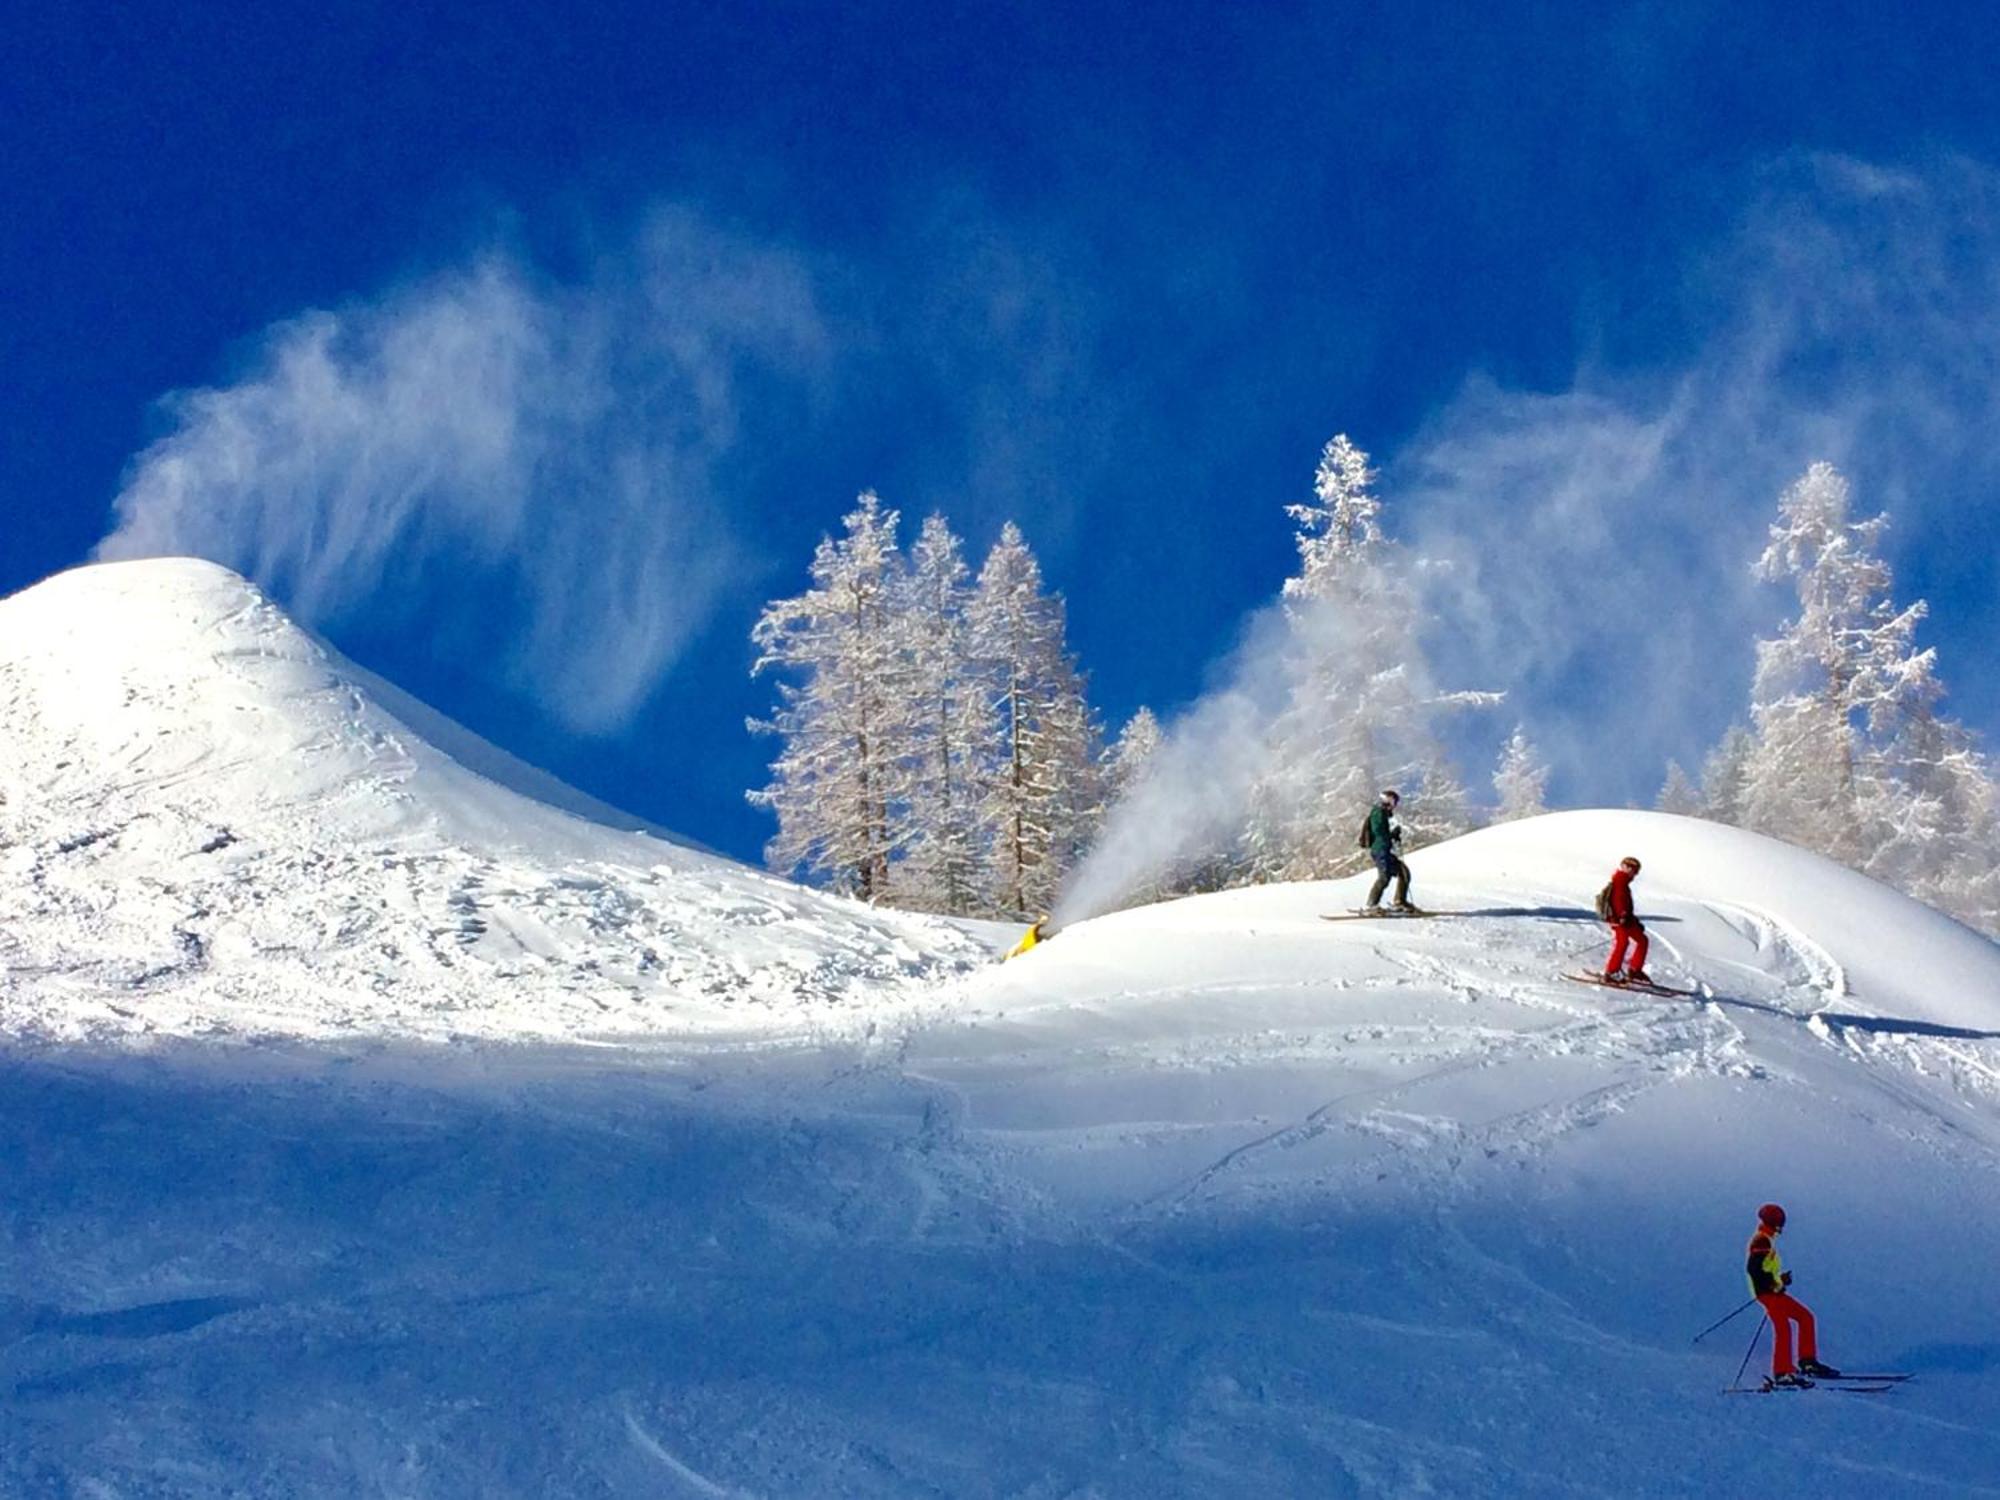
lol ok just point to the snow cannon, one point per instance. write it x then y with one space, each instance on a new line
1041 931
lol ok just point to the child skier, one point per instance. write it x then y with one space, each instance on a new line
1615 906
1383 834
1768 1282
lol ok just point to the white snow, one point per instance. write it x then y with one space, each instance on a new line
402 1176
211 823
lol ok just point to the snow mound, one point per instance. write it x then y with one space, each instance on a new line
1211 1197
211 821
1742 906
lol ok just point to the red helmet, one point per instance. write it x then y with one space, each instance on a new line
1771 1215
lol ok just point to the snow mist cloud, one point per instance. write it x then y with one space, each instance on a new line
1194 794
1589 550
1196 787
1602 536
560 442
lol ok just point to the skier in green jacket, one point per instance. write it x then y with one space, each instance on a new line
1384 835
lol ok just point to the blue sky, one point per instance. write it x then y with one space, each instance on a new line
1591 282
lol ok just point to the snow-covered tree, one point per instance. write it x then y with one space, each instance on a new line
1041 792
1828 683
839 785
1075 745
1361 711
1939 807
1723 775
1929 791
1520 780
951 723
1440 809
1126 759
1339 533
1850 755
1678 793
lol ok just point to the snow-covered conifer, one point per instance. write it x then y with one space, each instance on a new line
1819 687
1440 809
1851 756
1040 795
950 724
1361 711
1340 531
1678 793
1126 759
1723 774
839 785
1075 745
1520 779
1936 802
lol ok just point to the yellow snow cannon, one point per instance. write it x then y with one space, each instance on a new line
1040 932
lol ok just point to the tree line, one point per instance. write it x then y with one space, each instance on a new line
938 751
1846 749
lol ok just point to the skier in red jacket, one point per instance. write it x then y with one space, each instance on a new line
1626 928
1769 1284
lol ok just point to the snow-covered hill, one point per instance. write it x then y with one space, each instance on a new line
211 822
1208 1198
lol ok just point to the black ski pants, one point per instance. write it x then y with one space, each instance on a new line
1387 868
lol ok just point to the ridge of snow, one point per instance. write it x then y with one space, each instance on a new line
209 820
1210 1197
1872 950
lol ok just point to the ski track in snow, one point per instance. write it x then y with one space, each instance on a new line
690 1481
368 1129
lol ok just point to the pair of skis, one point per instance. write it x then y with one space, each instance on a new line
1873 1383
1644 986
1383 914
1392 914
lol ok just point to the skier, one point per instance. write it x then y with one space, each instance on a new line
1383 834
1614 904
1768 1282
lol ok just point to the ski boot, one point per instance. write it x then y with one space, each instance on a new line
1817 1370
1791 1380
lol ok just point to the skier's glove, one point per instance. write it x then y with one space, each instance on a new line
1786 1278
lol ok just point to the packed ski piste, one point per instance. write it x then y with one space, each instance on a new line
1381 835
380 1119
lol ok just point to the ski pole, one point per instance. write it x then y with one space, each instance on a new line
1719 1322
1747 1353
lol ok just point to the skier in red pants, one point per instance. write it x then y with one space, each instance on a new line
1614 904
1768 1282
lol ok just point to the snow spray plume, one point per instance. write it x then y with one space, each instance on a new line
1194 791
1603 535
562 441
1254 745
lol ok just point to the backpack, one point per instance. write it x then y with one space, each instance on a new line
1362 840
1604 903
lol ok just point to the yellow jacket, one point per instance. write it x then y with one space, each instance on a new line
1763 1265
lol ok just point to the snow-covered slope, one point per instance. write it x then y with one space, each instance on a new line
208 822
1209 1198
